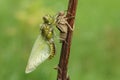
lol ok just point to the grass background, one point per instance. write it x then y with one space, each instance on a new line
95 50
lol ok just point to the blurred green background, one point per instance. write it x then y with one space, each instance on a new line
95 50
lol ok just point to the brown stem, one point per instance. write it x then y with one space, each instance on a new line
65 51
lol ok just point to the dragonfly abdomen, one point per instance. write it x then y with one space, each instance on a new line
52 47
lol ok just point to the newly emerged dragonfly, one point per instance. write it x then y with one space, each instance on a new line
44 47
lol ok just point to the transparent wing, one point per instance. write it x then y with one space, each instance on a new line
40 52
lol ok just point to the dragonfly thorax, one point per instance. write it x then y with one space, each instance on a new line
47 32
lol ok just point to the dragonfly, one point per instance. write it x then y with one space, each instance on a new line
44 47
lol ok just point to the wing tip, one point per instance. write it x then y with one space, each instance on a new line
29 69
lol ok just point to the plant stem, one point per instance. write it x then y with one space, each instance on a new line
65 50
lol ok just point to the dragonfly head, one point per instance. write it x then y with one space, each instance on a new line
48 19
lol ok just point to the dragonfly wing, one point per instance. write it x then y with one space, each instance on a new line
40 52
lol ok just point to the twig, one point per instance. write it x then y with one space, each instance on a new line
65 51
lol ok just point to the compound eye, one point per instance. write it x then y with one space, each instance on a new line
45 19
48 19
